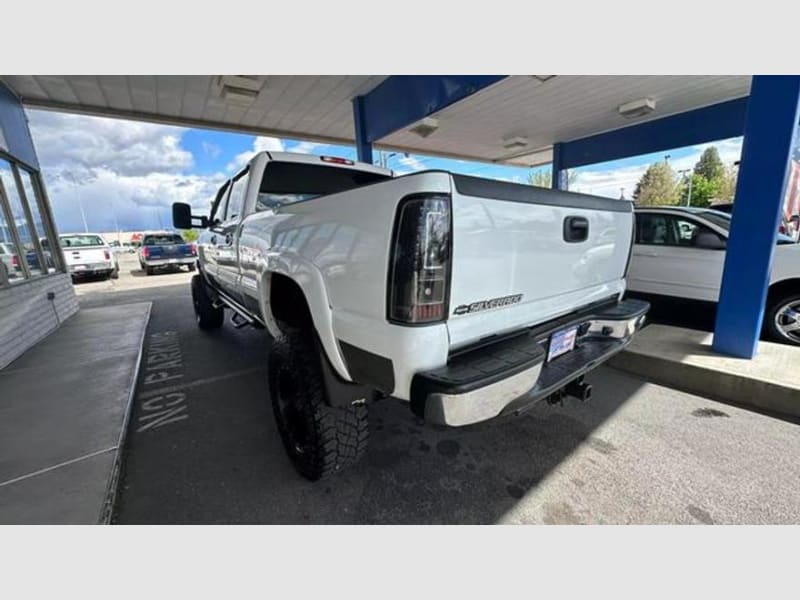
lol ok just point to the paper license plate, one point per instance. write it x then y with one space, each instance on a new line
562 342
173 260
80 267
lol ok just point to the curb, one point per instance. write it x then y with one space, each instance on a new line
773 398
107 510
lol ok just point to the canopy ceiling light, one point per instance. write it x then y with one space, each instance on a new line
240 90
515 142
637 108
425 127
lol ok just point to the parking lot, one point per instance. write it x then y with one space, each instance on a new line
202 446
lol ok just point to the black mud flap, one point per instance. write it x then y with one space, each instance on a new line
339 392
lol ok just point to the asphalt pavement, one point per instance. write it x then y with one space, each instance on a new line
202 446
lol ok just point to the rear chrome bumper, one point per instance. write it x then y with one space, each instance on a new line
513 374
91 269
170 262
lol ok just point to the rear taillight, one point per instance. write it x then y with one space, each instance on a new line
419 268
107 254
146 252
15 261
194 249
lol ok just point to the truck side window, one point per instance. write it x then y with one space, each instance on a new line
220 203
236 198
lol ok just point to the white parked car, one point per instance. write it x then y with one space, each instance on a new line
88 254
465 297
680 252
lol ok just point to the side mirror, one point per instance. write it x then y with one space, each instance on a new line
182 216
709 240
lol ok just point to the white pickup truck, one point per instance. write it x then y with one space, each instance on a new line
466 297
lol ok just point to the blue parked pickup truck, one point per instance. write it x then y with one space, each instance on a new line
166 250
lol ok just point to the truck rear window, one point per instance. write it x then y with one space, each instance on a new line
162 240
80 241
285 182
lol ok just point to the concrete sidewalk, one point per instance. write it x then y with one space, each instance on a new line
683 359
64 406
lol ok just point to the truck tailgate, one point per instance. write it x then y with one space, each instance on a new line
85 256
169 251
514 264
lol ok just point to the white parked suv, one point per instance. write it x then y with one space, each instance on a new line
680 252
465 297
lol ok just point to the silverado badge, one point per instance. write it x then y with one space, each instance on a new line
487 304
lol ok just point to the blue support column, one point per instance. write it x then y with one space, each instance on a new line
558 180
363 146
770 127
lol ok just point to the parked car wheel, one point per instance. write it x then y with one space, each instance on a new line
115 273
319 439
782 320
191 267
208 317
149 270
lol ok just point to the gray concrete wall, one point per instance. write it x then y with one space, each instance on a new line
27 316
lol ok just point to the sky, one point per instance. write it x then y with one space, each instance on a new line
125 175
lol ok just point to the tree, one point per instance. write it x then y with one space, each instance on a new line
728 185
190 235
657 186
703 190
543 177
710 164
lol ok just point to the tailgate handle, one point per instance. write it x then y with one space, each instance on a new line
576 229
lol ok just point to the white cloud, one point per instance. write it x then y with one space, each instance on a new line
414 164
304 147
608 183
124 147
260 144
115 168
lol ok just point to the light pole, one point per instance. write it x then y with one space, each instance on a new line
80 202
689 192
385 157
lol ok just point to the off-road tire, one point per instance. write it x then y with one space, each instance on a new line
208 316
114 274
770 327
320 439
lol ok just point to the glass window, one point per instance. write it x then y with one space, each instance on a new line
8 253
81 241
236 199
162 239
38 221
25 230
284 183
220 203
655 229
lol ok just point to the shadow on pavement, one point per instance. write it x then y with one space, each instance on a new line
220 460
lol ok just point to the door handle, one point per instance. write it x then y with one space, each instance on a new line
228 239
214 239
576 229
